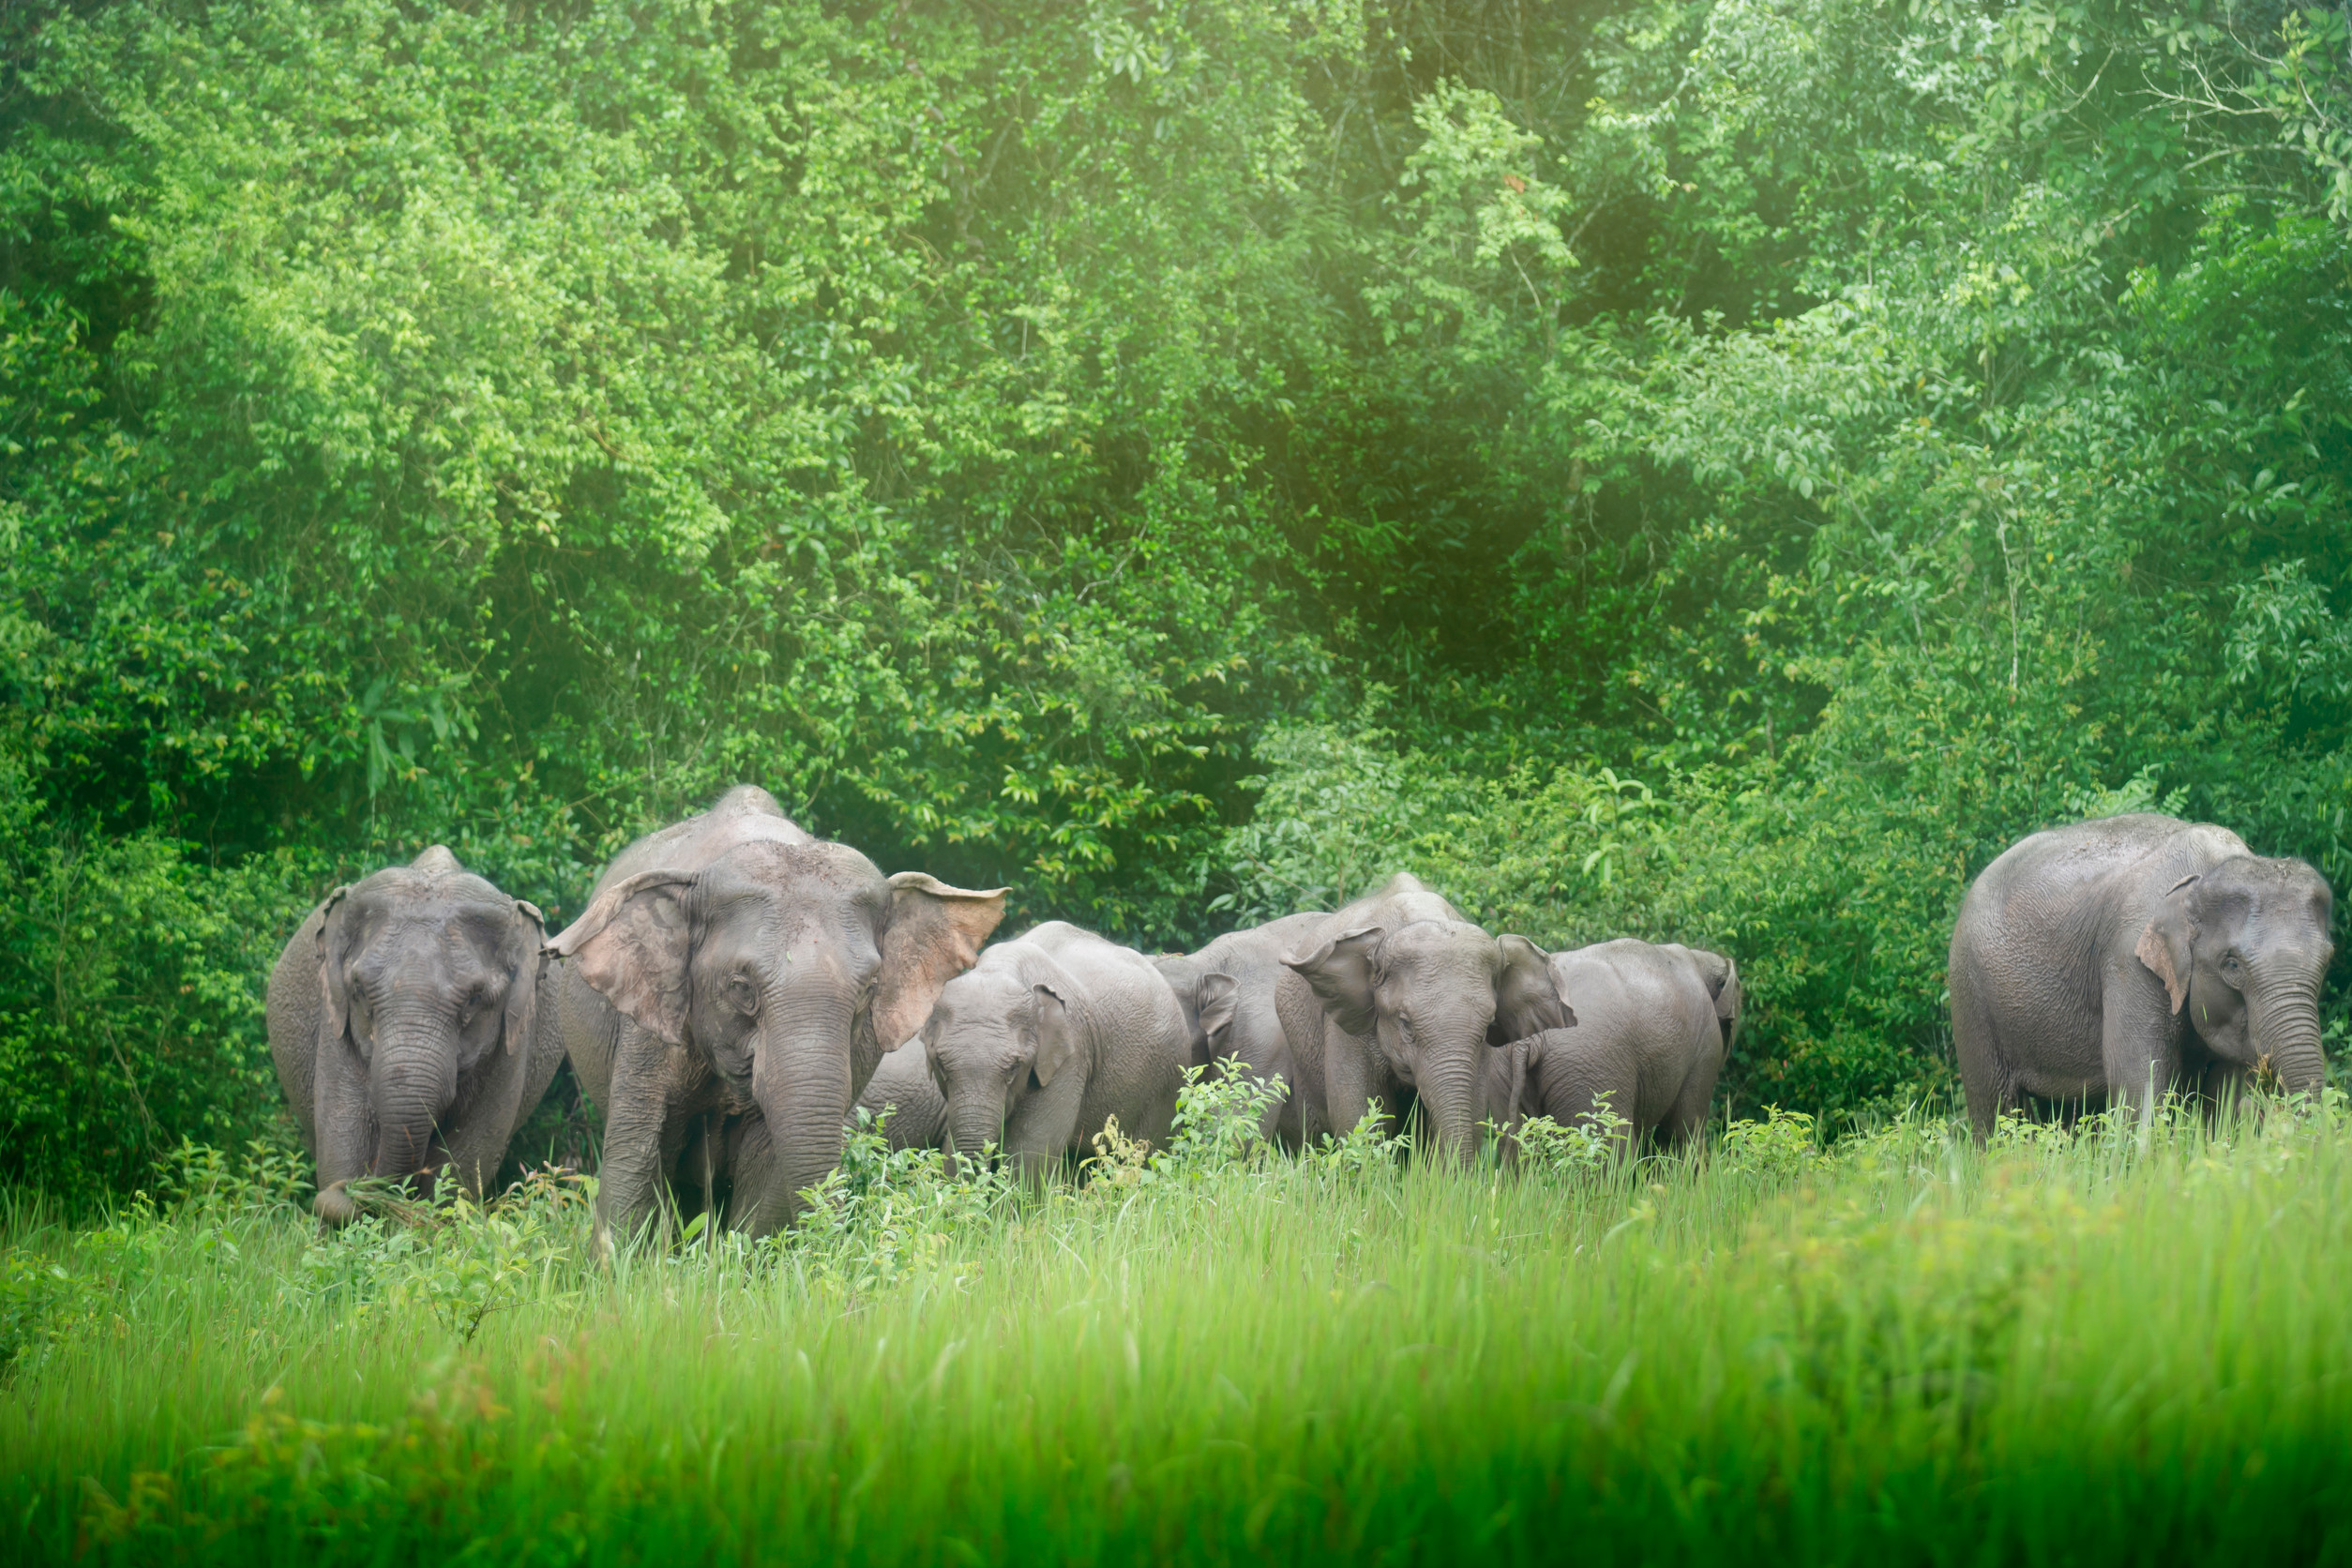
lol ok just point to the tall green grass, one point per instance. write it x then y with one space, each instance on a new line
2068 1349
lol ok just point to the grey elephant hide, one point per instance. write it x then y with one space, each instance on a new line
722 998
1049 1037
2116 960
407 1026
1655 1022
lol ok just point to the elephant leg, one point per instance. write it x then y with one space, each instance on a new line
2138 1045
346 1124
490 1100
1351 1085
1044 1128
1304 1027
1574 1089
636 1138
1984 1077
752 1168
1685 1123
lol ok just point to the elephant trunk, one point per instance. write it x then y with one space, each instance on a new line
973 1122
1449 1102
2283 1023
799 1078
413 1079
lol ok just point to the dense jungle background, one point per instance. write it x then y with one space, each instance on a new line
1714 470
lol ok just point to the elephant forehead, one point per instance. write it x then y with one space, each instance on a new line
1440 944
977 1007
421 927
807 868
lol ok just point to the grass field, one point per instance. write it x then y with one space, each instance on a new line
2069 1348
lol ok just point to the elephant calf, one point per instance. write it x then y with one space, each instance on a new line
1044 1039
2120 958
406 1022
1654 1025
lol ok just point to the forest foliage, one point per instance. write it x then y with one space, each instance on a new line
1704 469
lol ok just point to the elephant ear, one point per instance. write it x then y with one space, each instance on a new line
632 944
934 935
522 991
2167 943
1218 995
1729 998
333 945
1341 972
1527 1000
1056 1031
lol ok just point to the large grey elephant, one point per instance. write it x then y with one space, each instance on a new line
1397 998
903 1091
1228 992
405 1020
721 998
1050 1037
1655 1022
2114 960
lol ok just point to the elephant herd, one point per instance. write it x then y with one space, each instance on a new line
727 997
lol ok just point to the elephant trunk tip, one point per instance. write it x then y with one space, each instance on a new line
334 1206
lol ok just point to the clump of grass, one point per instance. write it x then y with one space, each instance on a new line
2074 1345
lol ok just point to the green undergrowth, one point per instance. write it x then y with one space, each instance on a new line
2082 1346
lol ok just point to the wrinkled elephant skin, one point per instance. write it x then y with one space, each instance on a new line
1655 1022
407 1025
2113 961
1397 999
721 998
1046 1039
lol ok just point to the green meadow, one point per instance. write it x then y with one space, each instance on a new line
2083 1346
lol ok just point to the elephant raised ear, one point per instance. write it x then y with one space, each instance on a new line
632 944
522 991
2167 943
1056 1033
1527 1000
333 945
1216 998
934 934
1341 972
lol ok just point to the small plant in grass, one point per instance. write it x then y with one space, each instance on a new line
459 1260
1216 1122
1361 1152
884 1212
268 1177
1594 1142
1785 1143
1120 1161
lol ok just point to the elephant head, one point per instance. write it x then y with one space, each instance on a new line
785 964
2243 947
1436 997
425 971
999 1041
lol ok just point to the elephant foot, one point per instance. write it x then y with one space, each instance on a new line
334 1206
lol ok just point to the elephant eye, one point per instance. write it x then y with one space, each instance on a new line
744 994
